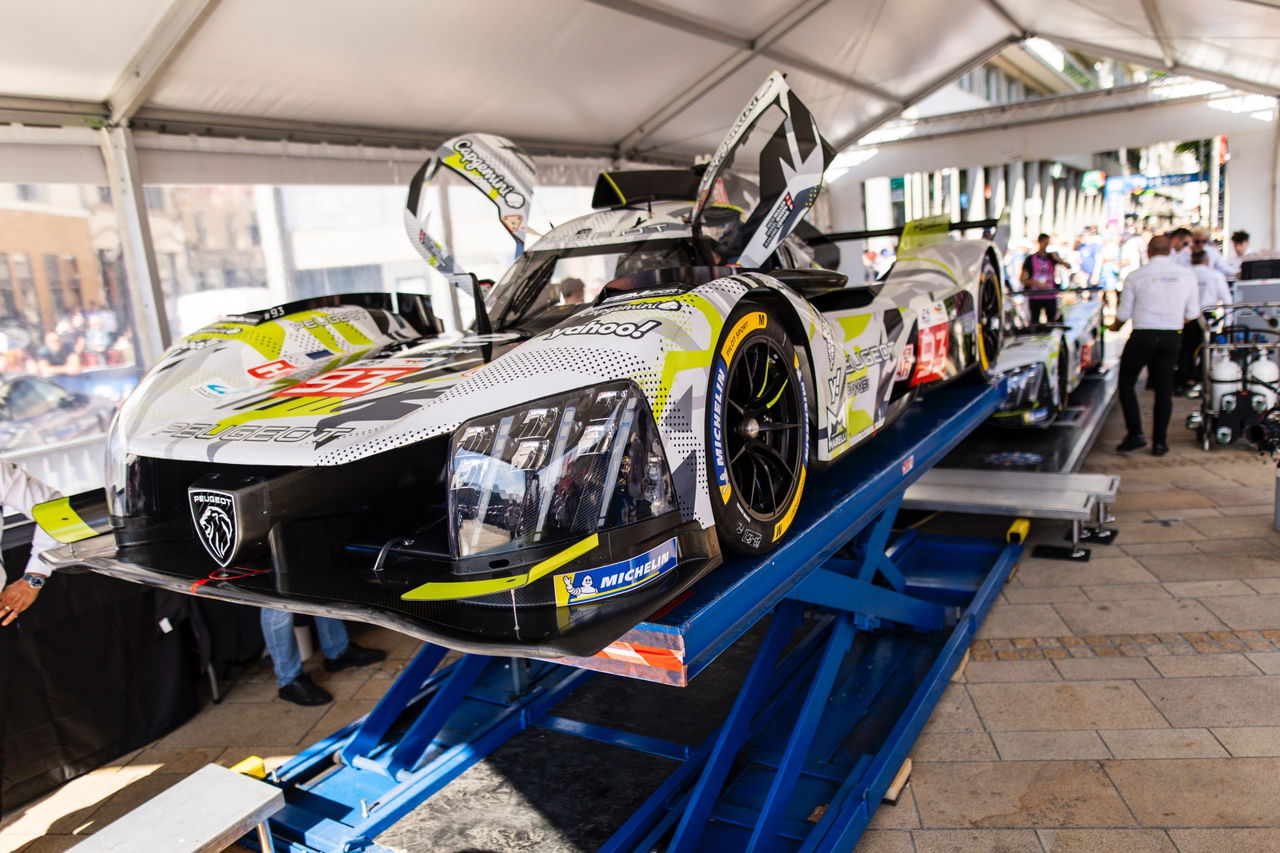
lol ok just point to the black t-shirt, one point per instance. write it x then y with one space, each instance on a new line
56 358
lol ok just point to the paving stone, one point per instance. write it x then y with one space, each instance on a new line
1106 841
1214 701
1099 570
954 712
1152 549
1021 670
1218 840
1064 706
1164 500
1268 662
1022 620
1163 743
975 840
1203 665
885 840
1237 495
1140 615
954 746
1105 669
1235 526
1016 794
1049 746
1250 741
1198 567
899 815
1208 589
1247 611
184 761
1266 586
1191 512
1125 592
1243 545
229 724
1200 792
1165 531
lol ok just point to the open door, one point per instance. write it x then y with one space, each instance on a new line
499 169
792 160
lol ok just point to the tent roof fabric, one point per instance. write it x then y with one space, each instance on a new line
658 79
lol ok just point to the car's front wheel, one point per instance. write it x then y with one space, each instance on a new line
990 325
758 432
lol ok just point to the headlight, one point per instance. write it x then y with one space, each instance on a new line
556 469
1024 386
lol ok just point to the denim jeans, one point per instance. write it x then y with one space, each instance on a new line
282 645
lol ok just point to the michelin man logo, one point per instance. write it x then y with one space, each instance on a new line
616 578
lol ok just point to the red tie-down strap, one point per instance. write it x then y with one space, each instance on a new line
229 574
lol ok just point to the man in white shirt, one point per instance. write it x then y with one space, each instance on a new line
1160 298
1201 240
19 491
1214 291
1180 246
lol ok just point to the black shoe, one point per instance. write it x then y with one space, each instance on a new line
1159 449
354 655
303 691
1131 442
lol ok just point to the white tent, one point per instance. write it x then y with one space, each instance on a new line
653 78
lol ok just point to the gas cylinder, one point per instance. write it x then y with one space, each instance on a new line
1264 373
1224 378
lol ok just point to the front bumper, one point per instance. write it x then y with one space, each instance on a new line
494 624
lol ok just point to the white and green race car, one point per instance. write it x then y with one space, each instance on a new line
646 390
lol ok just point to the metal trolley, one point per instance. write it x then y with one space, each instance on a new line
1240 335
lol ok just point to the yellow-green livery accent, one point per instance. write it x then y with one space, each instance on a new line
446 590
59 520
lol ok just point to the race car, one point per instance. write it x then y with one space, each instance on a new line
644 392
1045 363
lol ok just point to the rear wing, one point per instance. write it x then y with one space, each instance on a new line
845 236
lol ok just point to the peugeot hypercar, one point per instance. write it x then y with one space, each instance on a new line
644 391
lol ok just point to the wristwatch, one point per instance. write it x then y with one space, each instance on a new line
34 580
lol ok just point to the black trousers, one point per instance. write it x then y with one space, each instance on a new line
1046 307
1188 372
1156 350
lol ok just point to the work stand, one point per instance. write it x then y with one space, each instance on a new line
863 633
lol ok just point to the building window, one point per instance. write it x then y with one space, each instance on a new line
104 195
8 299
53 281
154 197
27 192
995 92
71 281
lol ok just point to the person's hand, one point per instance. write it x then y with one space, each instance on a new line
1116 326
15 598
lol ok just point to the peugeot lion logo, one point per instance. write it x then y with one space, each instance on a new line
215 517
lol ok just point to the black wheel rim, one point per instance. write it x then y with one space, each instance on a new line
989 320
763 428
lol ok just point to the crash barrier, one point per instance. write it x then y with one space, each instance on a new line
865 629
1082 499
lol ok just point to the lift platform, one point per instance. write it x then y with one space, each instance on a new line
861 630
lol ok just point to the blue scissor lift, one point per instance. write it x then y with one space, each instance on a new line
865 630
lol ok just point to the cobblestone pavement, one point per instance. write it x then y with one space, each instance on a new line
1131 703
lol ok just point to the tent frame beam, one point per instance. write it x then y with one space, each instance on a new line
1158 31
759 46
158 51
146 296
928 89
693 26
1152 62
999 9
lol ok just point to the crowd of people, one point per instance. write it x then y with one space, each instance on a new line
79 341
